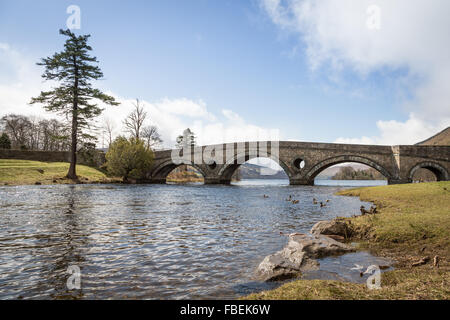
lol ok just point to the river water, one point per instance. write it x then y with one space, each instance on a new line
153 241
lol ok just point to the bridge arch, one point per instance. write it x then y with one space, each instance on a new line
234 163
319 167
439 171
161 172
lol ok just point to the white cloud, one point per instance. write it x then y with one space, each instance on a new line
393 132
413 36
172 116
185 107
19 81
232 116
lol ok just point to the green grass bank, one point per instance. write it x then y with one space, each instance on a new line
23 172
413 222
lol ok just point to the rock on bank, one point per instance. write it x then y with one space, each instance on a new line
299 255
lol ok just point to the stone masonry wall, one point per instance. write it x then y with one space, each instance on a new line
49 156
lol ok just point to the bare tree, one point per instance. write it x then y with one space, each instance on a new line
35 134
109 127
135 120
18 128
55 135
151 136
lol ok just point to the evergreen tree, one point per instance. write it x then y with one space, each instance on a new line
74 69
5 143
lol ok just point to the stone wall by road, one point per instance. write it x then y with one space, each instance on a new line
51 156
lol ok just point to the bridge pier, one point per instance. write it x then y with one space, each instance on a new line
216 180
398 181
156 180
300 182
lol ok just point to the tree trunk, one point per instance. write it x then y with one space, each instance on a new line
72 174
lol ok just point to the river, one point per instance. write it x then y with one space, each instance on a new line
152 241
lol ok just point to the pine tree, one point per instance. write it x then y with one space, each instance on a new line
5 143
74 69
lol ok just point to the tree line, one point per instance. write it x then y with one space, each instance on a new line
33 133
348 173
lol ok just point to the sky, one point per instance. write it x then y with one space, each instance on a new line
371 72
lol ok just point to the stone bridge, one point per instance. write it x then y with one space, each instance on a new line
303 161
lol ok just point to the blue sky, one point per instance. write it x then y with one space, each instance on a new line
233 55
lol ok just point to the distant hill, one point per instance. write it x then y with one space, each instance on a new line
330 172
254 171
348 173
439 139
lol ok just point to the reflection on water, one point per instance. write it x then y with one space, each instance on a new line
150 241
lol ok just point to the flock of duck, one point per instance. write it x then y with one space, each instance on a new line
294 201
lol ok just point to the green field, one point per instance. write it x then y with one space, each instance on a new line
414 222
20 172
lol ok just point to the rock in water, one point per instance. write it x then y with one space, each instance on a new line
299 255
336 237
319 246
333 227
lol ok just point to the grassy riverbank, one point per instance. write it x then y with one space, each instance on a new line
178 176
413 223
22 172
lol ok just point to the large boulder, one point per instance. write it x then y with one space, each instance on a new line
299 255
332 227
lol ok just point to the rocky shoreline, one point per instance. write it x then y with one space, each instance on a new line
303 250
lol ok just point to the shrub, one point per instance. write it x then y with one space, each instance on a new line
128 158
90 155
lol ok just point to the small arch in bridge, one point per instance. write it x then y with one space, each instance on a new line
318 168
212 165
184 174
163 172
439 171
299 163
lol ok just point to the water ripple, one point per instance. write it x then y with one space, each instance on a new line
149 242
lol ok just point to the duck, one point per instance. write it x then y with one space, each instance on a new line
289 198
314 201
265 196
363 210
357 267
322 204
295 201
